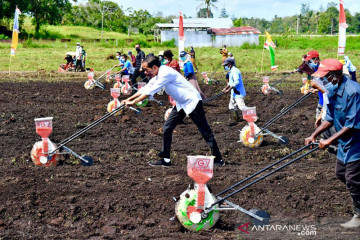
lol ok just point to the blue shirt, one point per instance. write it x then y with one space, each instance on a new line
343 110
321 100
127 65
188 69
235 81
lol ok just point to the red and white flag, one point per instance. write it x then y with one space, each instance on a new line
181 37
342 29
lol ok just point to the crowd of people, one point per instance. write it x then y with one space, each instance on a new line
337 114
75 61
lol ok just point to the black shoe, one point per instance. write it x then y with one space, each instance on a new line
161 154
160 162
219 163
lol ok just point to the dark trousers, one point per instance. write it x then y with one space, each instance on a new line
353 76
78 64
198 117
136 74
350 175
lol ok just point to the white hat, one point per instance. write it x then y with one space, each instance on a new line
78 43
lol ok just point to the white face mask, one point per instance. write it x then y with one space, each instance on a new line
118 57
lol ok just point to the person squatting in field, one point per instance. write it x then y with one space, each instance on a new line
236 86
343 112
188 102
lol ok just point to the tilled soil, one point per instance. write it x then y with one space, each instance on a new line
122 197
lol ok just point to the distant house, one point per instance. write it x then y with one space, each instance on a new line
209 32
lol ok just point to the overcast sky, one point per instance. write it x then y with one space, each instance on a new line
239 8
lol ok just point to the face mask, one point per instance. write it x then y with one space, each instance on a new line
330 87
165 61
161 58
312 65
226 68
137 49
183 58
118 57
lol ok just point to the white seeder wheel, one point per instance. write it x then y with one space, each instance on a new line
247 139
189 217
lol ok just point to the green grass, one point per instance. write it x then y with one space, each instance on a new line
33 55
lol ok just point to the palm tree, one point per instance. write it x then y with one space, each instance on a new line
207 4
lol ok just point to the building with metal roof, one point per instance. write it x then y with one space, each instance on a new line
209 32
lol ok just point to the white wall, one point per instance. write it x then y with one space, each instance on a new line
203 39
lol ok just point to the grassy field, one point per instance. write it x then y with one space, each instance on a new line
34 55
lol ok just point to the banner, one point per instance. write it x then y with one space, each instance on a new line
15 35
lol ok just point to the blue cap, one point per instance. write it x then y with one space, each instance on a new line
183 54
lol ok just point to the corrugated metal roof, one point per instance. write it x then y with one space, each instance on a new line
187 25
199 23
234 30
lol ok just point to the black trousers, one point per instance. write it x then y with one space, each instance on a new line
353 76
136 74
350 175
198 117
78 64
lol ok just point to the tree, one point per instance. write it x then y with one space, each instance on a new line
202 13
47 11
208 4
238 22
223 13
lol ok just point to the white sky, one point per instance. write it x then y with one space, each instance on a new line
239 8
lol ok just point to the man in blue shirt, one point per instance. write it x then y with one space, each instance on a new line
126 67
236 86
343 112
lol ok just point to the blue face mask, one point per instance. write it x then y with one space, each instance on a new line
331 87
312 65
227 68
183 58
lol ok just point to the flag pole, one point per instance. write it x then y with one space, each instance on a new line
9 64
262 61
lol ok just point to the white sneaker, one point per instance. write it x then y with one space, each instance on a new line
353 223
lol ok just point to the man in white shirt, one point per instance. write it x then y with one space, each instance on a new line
78 56
188 102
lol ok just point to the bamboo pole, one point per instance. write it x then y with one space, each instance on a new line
262 61
9 64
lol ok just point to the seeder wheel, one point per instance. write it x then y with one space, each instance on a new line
142 103
118 85
186 206
126 89
247 139
88 85
37 155
266 89
111 106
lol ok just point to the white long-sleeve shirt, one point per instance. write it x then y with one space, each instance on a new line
185 95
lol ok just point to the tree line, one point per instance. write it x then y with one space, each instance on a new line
109 15
322 21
